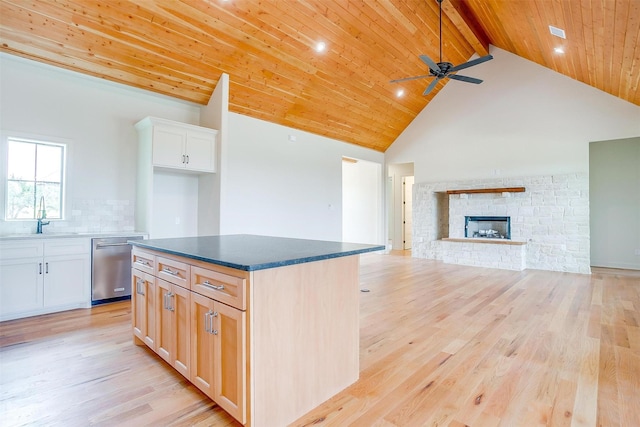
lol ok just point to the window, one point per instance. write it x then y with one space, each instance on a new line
35 179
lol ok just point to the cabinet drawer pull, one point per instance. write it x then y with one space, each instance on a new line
46 267
40 267
168 304
208 321
142 262
169 271
209 285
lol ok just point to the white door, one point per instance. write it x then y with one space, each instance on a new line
407 209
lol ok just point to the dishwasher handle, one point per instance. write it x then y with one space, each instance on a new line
106 245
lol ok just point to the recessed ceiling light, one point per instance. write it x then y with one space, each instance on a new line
558 32
400 93
321 46
558 50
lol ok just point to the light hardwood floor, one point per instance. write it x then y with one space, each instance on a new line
440 345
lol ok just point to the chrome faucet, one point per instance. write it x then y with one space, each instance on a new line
42 214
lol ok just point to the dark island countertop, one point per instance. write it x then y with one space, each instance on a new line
251 252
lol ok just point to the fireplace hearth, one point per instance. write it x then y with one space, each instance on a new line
487 227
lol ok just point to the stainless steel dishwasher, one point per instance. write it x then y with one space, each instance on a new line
111 269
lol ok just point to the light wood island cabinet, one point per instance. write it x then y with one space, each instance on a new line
143 313
173 322
273 322
177 314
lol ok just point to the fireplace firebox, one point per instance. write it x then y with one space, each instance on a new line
487 227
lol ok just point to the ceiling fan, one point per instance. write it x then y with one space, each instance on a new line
443 70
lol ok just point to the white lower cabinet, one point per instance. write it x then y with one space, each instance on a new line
21 288
65 280
44 276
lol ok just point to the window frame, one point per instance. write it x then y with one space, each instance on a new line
33 139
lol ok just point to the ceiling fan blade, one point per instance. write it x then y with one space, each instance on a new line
410 78
432 65
430 87
471 63
464 79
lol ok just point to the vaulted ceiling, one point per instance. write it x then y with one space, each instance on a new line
180 48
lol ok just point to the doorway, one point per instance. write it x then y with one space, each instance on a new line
399 212
362 210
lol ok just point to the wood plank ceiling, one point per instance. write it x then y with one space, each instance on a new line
180 48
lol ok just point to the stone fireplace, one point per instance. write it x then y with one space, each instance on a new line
547 222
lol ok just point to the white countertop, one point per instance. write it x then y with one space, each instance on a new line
68 234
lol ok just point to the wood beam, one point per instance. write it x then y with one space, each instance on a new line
458 12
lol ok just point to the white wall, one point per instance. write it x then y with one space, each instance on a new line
523 120
362 212
614 186
96 116
175 204
214 115
279 187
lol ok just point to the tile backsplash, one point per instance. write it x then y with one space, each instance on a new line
84 216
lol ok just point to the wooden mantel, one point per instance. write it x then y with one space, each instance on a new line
488 190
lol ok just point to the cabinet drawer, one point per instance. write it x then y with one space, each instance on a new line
143 261
222 287
21 250
173 271
69 246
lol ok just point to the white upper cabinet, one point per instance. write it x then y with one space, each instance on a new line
178 145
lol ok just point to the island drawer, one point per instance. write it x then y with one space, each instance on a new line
173 271
143 261
230 290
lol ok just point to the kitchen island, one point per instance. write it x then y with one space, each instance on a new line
265 326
